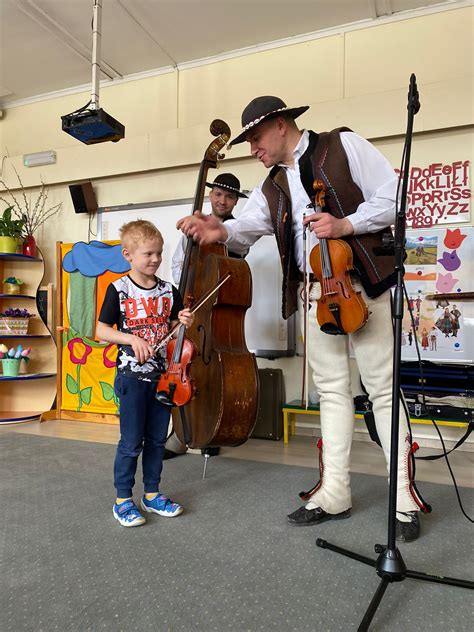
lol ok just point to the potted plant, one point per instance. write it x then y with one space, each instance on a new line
31 214
10 231
11 359
12 285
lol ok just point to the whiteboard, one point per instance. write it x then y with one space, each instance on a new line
267 334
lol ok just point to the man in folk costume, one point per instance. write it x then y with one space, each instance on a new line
361 187
224 194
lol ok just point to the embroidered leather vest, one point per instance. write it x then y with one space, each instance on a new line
326 159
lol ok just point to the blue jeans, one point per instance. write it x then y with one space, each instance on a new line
143 428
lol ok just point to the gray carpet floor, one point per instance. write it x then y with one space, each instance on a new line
230 562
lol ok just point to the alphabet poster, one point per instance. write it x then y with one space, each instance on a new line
439 194
439 262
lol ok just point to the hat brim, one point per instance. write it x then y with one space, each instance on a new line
224 187
292 112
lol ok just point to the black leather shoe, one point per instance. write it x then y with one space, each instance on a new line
169 454
408 531
303 517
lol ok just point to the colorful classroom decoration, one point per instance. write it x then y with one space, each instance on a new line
87 366
439 270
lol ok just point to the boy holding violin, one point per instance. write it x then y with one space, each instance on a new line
359 199
144 308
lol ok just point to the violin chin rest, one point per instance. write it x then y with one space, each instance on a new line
164 398
332 329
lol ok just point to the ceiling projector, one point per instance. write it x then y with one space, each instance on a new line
93 126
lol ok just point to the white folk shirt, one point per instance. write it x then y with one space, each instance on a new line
369 169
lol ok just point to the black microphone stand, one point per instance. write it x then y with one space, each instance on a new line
389 565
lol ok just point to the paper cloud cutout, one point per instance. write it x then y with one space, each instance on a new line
95 258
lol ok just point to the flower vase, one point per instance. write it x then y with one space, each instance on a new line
29 246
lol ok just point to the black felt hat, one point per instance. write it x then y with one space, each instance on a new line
262 108
228 182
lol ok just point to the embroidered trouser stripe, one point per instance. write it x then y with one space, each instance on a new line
329 360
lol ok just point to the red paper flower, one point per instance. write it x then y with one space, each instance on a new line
110 364
453 238
78 350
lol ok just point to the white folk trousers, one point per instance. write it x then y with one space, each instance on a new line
328 358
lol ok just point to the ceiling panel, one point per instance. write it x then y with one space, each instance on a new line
46 44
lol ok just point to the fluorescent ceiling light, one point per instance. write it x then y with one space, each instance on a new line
39 158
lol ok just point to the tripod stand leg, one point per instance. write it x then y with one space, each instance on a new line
337 549
439 579
376 599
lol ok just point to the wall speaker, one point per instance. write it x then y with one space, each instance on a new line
83 197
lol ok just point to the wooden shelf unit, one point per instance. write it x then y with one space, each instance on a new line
27 396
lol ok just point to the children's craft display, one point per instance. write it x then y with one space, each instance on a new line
439 272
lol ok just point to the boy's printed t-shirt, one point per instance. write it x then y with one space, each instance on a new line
143 312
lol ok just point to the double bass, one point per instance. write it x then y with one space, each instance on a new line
223 410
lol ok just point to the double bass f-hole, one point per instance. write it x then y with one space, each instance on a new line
206 358
341 309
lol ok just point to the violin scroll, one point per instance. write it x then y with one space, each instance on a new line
320 193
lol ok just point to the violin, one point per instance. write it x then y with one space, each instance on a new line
341 309
176 387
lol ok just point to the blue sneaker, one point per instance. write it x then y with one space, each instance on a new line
127 514
162 506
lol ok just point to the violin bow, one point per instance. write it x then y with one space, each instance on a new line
199 304
304 386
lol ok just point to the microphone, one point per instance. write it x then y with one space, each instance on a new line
413 96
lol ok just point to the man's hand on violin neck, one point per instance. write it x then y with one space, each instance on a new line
205 229
325 226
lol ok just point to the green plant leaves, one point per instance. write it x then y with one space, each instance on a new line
71 384
86 394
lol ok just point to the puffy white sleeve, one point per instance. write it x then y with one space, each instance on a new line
377 180
253 221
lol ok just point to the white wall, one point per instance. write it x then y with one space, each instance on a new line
357 78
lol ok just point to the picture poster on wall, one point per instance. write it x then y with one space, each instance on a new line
439 273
